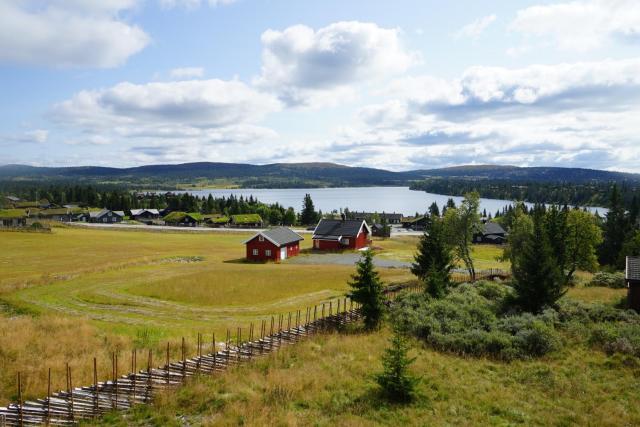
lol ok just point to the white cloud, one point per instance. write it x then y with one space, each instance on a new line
300 63
35 136
187 72
582 114
75 33
193 4
162 119
580 25
476 28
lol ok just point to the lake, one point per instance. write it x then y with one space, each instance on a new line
370 199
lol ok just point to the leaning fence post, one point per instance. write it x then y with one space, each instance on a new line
48 419
115 376
95 385
184 360
70 392
134 363
20 409
168 363
213 351
149 383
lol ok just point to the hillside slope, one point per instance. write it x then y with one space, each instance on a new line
301 174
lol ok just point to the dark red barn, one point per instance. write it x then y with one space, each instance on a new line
335 234
275 244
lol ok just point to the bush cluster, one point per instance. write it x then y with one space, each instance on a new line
608 280
467 322
617 337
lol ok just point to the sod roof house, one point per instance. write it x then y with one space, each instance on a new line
106 216
183 219
391 218
13 218
491 232
246 221
336 234
275 244
60 214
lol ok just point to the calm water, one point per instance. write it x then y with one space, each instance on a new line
370 199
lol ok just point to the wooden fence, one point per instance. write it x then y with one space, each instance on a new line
121 392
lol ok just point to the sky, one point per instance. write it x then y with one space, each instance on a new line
402 85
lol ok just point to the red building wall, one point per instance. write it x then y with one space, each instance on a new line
332 245
293 249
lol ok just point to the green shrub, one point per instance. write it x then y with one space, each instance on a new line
570 310
466 322
617 337
613 280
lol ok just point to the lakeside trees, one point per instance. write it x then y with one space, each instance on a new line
460 224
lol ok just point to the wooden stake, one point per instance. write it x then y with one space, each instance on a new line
20 409
95 385
48 398
167 363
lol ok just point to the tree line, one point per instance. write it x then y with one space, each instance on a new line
560 193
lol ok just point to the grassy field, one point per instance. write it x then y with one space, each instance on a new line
75 294
121 289
327 381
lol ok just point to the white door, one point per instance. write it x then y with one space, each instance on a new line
283 253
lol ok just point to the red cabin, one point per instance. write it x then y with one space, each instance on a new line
335 235
275 244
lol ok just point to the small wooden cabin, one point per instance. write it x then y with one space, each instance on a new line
13 218
632 278
275 244
146 216
106 216
183 219
336 234
491 232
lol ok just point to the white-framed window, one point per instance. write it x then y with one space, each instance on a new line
255 252
345 241
261 238
104 219
267 252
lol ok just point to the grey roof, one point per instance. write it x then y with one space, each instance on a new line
136 212
13 198
633 268
492 228
279 236
327 228
100 214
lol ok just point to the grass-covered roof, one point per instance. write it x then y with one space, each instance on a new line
246 219
12 213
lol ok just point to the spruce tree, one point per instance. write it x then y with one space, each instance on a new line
396 381
308 216
367 291
433 261
614 230
538 282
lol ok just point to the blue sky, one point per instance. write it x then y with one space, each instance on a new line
398 85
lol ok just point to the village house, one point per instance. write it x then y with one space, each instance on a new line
183 219
275 244
632 278
415 223
13 218
106 216
246 221
146 216
391 218
336 234
491 232
379 230
60 214
216 220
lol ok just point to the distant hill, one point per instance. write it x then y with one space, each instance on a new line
300 174
530 174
